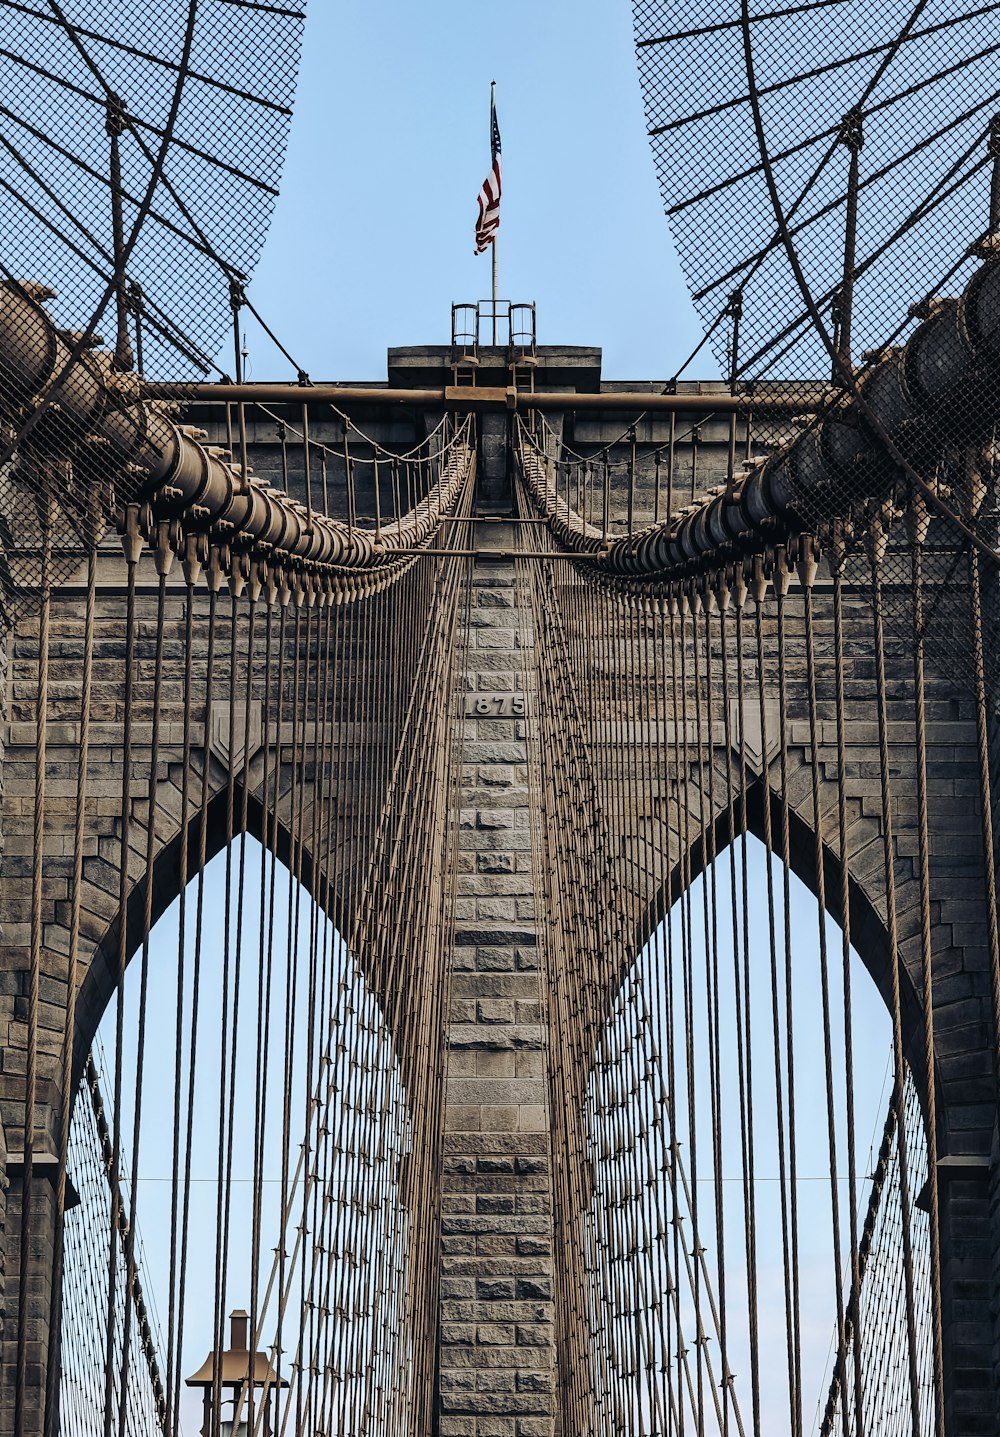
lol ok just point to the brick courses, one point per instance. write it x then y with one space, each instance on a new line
498 1354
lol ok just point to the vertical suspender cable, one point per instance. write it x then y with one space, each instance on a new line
807 573
919 521
213 578
853 1317
34 976
72 960
174 1358
154 763
779 577
228 997
786 869
745 1043
132 545
899 1087
985 782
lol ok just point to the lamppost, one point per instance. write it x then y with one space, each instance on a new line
236 1373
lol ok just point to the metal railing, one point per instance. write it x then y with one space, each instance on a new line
493 323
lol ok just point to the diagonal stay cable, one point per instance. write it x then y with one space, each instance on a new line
807 188
83 340
138 53
871 179
163 133
229 271
102 179
878 107
888 49
880 70
722 25
156 318
913 218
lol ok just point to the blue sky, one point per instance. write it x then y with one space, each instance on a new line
372 238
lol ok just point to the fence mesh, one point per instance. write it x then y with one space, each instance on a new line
831 176
140 153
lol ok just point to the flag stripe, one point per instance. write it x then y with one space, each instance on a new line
489 196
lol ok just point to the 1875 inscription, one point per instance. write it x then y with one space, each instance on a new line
504 705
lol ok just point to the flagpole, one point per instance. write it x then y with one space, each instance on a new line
493 105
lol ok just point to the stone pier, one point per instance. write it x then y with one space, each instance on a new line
497 1332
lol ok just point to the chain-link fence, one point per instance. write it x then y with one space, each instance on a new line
140 153
831 176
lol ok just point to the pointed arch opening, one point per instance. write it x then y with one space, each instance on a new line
746 1205
242 1142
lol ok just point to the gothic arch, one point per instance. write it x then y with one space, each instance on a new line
98 985
869 935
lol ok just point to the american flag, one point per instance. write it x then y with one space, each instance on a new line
489 196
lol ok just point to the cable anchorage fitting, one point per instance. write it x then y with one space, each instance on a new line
115 118
993 142
851 131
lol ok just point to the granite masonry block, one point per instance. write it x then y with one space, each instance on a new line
496 1078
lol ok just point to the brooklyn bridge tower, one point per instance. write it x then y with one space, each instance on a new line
498 879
